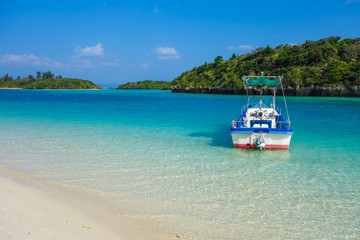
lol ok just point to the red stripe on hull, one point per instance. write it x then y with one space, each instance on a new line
267 146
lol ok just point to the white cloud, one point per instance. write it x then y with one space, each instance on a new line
79 63
144 65
30 59
114 63
83 57
96 50
22 59
80 60
240 47
167 53
169 57
83 63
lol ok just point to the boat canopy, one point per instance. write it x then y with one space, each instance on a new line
261 81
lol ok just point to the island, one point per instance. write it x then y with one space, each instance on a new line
327 67
147 84
45 80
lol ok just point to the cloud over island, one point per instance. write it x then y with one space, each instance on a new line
167 53
30 60
240 47
92 57
96 50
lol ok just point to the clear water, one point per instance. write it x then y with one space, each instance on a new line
168 160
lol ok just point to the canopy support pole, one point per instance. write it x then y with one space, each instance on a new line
287 112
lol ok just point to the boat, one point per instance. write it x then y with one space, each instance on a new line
261 126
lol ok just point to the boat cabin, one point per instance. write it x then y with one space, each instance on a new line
264 117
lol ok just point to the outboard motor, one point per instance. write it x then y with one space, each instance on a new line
260 142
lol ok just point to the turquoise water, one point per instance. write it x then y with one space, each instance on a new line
167 159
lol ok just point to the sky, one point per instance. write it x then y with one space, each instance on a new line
113 42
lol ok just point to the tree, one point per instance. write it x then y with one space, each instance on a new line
218 59
268 51
294 77
30 77
233 56
336 70
47 75
311 76
8 78
352 52
38 74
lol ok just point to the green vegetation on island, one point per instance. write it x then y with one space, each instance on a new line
327 62
45 80
147 84
327 67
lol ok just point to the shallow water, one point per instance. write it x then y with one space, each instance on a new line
168 160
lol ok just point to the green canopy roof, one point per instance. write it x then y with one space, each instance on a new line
263 81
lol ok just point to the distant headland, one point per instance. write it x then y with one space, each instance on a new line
147 84
45 80
327 67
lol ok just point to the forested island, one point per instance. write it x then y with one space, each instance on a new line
147 84
46 80
327 67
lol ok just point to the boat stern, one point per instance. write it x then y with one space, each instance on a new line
263 139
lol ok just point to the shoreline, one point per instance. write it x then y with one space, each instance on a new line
353 92
315 91
38 209
51 88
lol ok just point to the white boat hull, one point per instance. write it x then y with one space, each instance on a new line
247 140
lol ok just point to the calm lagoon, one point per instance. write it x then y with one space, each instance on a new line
167 159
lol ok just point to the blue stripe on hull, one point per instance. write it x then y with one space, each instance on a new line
262 130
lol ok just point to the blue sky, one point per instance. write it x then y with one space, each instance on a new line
113 42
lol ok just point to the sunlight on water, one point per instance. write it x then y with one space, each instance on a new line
168 160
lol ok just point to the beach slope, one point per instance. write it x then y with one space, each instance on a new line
33 209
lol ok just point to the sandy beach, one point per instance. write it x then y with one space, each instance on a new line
41 210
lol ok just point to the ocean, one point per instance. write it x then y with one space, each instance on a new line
167 160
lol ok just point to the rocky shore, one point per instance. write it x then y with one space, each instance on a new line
316 91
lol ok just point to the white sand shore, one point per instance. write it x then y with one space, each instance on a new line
32 209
